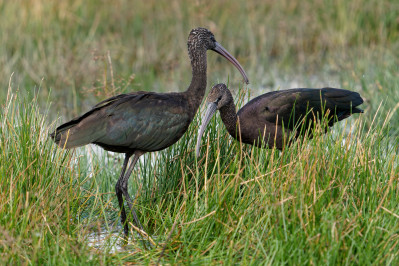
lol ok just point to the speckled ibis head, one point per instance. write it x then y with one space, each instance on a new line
218 97
201 39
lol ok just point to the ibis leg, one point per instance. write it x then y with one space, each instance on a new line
119 194
124 187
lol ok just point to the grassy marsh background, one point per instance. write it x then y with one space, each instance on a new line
332 199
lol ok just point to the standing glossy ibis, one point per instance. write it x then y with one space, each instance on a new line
140 122
269 117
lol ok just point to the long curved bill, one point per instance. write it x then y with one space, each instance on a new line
223 52
206 118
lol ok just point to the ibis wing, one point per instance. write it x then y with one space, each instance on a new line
145 121
152 122
288 107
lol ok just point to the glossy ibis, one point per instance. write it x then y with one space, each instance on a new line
266 119
140 122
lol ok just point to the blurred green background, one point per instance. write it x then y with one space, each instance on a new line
84 51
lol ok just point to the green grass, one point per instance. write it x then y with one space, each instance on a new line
332 199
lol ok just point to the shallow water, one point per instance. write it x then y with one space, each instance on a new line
106 240
111 241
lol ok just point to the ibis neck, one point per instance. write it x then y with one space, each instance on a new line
230 118
196 91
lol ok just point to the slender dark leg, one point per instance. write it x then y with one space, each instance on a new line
124 187
119 193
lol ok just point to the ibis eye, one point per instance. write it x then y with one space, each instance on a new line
218 99
267 109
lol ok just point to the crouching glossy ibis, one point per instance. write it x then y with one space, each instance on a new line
140 122
266 119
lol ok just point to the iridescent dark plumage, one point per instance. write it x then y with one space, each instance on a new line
269 118
140 122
